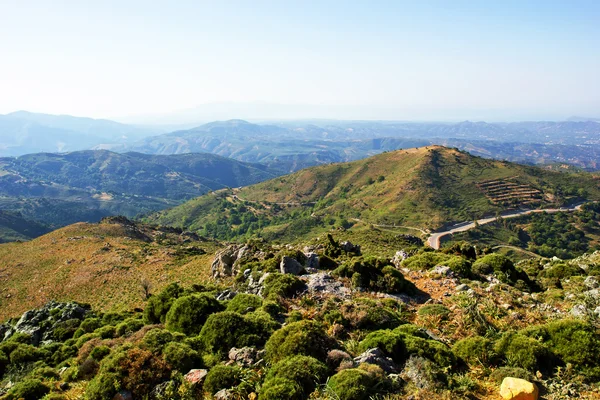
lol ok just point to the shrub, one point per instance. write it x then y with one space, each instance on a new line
129 326
242 302
182 357
298 338
437 310
65 329
426 260
90 325
327 263
561 271
4 361
429 349
98 353
303 370
364 313
155 340
505 372
522 351
222 377
25 353
475 350
572 341
227 329
28 389
282 285
188 313
103 386
45 373
351 384
388 341
105 332
374 274
280 388
460 266
503 268
158 305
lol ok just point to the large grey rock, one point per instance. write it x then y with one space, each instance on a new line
312 260
245 356
375 356
592 282
290 265
196 377
323 282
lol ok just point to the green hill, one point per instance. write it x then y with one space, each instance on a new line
14 227
60 189
425 187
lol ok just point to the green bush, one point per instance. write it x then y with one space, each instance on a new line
182 357
327 263
351 384
460 266
129 326
222 377
105 332
188 313
243 301
303 370
155 340
65 329
504 269
103 386
99 352
426 260
298 338
429 349
45 373
280 388
374 274
28 389
475 350
228 329
510 372
363 313
437 310
282 285
89 325
158 305
523 352
561 271
4 361
388 341
24 353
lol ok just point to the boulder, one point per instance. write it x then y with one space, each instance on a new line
323 282
245 356
348 247
592 282
196 377
400 256
518 389
375 356
290 265
312 260
462 287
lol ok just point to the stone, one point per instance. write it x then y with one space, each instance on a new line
196 377
227 294
518 389
375 356
245 356
462 287
348 247
312 260
441 270
423 373
123 395
592 282
224 394
400 256
161 391
323 282
222 265
579 311
290 265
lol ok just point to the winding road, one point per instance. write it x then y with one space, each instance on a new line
434 238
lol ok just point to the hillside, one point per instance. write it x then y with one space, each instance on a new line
14 227
424 187
59 189
101 264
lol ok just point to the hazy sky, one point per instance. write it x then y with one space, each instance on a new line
367 59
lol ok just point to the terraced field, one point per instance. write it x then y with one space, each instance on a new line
509 192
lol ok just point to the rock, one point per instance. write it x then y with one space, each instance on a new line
579 311
400 256
246 356
441 270
290 265
592 282
462 287
222 265
423 373
224 394
123 395
227 294
312 260
40 323
518 389
64 386
323 282
376 357
348 247
161 391
196 377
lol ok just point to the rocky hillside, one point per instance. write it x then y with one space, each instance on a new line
349 315
424 188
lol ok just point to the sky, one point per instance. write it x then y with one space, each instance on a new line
399 60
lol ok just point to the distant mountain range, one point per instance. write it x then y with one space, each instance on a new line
24 132
59 189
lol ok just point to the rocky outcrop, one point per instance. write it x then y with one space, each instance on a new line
228 261
196 377
375 356
518 389
290 265
323 282
400 256
42 322
348 247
